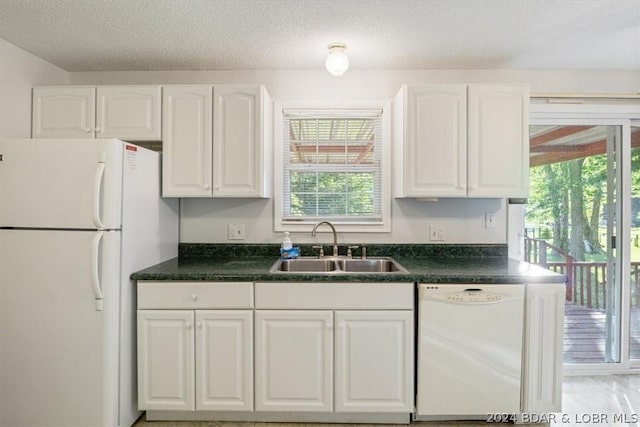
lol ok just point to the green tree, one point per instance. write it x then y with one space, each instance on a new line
568 197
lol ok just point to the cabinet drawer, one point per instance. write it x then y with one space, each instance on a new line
195 295
334 296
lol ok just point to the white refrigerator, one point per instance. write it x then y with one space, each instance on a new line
77 217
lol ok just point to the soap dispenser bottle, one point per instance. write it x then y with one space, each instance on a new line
286 242
286 248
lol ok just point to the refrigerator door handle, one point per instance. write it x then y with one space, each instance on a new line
95 270
97 195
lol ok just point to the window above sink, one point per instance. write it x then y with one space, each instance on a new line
333 162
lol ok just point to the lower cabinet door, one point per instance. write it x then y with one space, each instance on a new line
224 360
543 337
294 360
166 360
374 361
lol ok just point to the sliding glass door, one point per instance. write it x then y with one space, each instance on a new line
572 227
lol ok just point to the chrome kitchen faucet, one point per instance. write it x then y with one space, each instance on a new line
335 235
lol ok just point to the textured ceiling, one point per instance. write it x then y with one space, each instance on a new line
92 35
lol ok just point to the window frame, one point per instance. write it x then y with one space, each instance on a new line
347 226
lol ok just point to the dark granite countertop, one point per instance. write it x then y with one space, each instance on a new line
425 263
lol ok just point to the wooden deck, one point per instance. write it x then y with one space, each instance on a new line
584 334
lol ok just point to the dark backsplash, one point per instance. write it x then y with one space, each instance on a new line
223 250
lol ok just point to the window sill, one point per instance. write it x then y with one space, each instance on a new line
341 227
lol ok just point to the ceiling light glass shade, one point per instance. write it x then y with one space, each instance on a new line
337 62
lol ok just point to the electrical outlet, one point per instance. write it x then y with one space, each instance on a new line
437 233
236 231
489 220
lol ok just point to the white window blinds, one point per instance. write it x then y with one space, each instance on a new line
332 165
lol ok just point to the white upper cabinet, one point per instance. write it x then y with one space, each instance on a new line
458 140
435 144
498 138
241 140
130 113
63 112
187 143
217 141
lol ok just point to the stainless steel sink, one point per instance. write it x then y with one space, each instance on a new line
338 265
371 265
303 265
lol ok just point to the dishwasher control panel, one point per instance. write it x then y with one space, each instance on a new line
473 296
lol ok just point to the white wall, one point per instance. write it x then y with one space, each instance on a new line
206 220
20 71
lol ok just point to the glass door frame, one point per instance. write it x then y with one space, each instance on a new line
626 292
624 114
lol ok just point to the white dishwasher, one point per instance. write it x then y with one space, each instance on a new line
469 350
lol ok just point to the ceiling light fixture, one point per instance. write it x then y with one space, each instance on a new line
337 61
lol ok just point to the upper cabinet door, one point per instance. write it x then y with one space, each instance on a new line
187 141
131 113
239 141
63 112
435 155
498 141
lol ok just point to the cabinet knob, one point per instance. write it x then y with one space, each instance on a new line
188 325
194 297
98 129
206 186
87 130
341 324
329 326
199 325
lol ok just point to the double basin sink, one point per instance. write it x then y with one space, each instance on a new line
338 265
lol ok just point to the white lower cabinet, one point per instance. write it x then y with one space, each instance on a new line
331 352
294 360
334 347
189 365
543 336
373 352
166 360
374 361
224 360
195 348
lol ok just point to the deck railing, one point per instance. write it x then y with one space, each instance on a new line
587 283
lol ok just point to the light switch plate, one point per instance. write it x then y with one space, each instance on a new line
490 220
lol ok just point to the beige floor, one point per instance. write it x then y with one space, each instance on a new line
608 400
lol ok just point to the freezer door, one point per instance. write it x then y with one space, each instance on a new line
58 353
54 183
